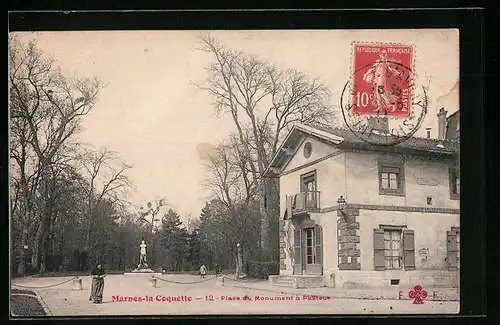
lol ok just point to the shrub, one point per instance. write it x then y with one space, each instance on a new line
30 269
74 262
262 270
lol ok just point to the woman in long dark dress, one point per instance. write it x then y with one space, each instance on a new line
97 290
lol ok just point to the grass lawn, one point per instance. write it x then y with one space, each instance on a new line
22 291
26 306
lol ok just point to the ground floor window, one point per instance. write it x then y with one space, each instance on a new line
394 248
393 254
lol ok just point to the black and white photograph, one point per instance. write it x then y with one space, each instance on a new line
234 172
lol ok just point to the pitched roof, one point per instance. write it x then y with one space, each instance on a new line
344 138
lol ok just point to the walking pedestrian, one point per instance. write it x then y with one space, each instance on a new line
97 289
203 271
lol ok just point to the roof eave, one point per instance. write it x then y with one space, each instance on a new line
334 139
423 151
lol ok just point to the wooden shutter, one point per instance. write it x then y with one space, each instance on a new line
451 246
289 202
409 249
318 232
379 250
297 244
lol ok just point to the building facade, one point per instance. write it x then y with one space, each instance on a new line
359 215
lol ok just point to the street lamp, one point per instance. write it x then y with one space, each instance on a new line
341 205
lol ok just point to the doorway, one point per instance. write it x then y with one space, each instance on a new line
309 248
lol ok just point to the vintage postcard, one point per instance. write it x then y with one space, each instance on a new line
234 172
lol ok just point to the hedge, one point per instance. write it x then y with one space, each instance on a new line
262 270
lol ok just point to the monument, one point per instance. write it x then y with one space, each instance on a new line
143 267
142 257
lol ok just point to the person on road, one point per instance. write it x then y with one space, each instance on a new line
203 271
217 270
97 290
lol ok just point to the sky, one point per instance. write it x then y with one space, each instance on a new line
152 114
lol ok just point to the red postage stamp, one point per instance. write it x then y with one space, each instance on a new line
383 79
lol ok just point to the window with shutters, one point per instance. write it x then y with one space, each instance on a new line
391 179
454 176
394 248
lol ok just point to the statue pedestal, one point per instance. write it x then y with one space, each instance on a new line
144 269
143 272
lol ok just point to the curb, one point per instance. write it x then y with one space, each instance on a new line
343 296
44 305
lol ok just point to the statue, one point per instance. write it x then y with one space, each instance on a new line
142 261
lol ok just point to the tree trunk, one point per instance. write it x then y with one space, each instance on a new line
264 226
44 245
45 228
87 231
22 253
35 251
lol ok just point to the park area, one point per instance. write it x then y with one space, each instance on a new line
183 294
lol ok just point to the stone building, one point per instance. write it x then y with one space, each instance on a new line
360 215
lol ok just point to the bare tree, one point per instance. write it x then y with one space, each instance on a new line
52 107
229 178
151 211
24 183
105 178
265 101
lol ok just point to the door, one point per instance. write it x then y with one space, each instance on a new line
309 249
308 189
312 261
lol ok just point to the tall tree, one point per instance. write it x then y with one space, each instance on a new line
51 106
264 103
105 179
194 255
174 241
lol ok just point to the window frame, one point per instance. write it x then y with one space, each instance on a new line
400 229
453 176
400 253
313 246
400 191
311 196
307 176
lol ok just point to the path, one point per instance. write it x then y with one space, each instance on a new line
63 301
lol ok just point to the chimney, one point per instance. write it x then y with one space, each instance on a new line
441 123
380 124
428 132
